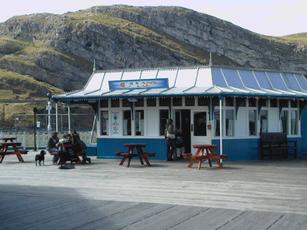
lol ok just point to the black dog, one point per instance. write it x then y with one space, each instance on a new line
40 157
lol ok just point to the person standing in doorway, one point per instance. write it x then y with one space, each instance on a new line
171 140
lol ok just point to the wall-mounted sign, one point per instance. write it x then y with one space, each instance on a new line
139 84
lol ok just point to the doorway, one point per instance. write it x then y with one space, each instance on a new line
199 123
183 123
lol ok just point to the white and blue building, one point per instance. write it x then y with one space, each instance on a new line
225 106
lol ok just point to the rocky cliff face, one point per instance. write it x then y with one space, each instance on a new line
59 49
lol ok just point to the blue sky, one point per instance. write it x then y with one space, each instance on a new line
270 17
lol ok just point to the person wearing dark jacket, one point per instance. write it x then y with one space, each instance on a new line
52 147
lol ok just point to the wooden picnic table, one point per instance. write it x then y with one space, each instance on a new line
134 150
204 152
6 139
10 148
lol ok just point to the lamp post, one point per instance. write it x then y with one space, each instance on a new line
48 108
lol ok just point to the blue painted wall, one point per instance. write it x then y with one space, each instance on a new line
107 147
91 149
303 141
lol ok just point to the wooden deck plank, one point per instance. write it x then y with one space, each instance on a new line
167 219
210 219
252 220
290 221
127 217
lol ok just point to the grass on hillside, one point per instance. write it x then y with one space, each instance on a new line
6 75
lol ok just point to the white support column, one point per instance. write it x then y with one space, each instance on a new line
69 124
221 127
56 118
133 119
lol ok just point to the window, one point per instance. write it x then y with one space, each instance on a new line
273 103
177 101
104 103
229 122
189 101
163 120
294 122
252 122
264 127
126 103
293 104
217 122
200 124
127 123
151 102
252 102
203 101
164 101
284 121
139 102
139 122
115 103
104 123
229 101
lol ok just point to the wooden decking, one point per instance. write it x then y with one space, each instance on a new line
246 195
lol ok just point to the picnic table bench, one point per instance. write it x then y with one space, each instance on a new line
204 152
276 144
135 150
10 148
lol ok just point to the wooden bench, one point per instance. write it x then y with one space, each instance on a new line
276 145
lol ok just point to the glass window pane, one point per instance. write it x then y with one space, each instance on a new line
293 103
203 101
164 101
217 78
139 122
262 79
104 103
302 81
127 123
139 102
252 122
200 124
114 103
294 122
151 102
291 81
273 103
104 123
264 127
217 122
163 120
232 78
126 103
248 79
229 116
177 101
252 102
276 80
284 121
189 101
229 101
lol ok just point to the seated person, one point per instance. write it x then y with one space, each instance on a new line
53 147
80 147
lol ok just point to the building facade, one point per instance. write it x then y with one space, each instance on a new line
229 107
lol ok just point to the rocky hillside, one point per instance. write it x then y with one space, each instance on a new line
46 52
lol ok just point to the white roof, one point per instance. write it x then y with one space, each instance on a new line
198 80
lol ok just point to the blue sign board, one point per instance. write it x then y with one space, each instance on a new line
139 84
